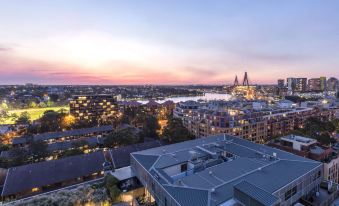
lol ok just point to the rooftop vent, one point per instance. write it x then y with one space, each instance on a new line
180 182
275 155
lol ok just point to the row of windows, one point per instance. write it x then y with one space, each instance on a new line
290 193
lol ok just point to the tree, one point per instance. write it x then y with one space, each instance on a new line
42 104
336 124
73 152
150 127
33 104
67 121
14 116
3 116
50 103
318 129
53 97
24 118
121 137
50 121
63 111
176 132
4 106
38 149
112 187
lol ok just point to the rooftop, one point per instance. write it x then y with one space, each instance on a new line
24 178
121 155
55 135
300 139
207 160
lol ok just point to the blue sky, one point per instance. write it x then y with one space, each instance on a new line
166 41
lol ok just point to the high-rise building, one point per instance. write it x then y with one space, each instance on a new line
281 83
296 84
314 85
323 83
301 84
332 84
93 108
291 84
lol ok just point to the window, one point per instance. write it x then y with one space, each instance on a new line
290 193
184 167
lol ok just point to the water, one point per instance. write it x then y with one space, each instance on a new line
206 97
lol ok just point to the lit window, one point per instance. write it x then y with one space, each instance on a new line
35 189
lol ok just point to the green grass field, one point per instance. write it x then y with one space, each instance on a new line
33 113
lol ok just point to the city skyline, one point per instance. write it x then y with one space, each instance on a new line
166 42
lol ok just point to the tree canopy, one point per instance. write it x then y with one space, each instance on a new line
121 137
176 132
24 118
112 187
38 149
150 126
318 129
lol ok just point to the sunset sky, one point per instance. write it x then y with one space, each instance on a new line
166 41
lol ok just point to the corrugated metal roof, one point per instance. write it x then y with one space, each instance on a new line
147 160
121 156
252 163
256 193
26 177
188 196
74 132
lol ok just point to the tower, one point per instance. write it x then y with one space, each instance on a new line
236 83
245 81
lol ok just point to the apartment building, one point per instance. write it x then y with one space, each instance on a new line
283 121
93 108
310 148
193 173
256 121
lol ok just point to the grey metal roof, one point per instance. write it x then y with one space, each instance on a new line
64 145
256 193
148 160
221 173
256 164
55 135
24 178
121 156
187 196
